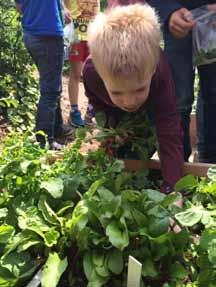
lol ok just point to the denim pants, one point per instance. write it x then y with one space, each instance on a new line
47 53
179 56
207 74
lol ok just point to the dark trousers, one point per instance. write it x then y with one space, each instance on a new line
208 87
179 55
47 53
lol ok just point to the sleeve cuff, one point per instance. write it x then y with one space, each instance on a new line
166 188
166 10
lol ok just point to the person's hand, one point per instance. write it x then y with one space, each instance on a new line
107 145
212 7
173 226
179 202
67 16
181 23
165 188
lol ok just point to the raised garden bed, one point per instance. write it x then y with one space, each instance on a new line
82 216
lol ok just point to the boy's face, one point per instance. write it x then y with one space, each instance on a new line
129 95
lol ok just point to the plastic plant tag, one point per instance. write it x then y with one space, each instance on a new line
204 36
36 280
134 272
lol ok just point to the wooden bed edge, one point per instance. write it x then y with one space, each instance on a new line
198 169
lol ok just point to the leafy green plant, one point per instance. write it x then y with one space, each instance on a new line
18 87
78 219
129 136
205 56
200 219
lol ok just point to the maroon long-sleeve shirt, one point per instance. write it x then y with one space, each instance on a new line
163 100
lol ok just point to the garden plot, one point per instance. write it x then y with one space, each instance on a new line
80 218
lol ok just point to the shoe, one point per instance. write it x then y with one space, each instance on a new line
75 119
64 132
56 146
90 119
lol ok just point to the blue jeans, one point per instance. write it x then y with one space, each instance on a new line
179 56
207 75
200 126
47 53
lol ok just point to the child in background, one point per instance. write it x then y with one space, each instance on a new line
42 24
128 72
82 13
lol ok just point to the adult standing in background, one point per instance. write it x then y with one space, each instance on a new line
177 27
42 23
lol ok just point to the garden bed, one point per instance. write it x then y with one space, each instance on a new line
196 169
81 216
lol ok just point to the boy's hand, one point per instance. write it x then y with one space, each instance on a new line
179 202
107 145
165 188
173 226
181 23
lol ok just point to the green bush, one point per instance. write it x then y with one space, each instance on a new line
18 87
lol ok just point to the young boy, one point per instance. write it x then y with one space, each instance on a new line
127 71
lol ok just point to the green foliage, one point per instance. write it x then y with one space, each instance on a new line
18 88
53 270
200 218
205 56
132 136
80 217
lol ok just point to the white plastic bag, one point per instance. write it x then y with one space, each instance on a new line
204 36
69 35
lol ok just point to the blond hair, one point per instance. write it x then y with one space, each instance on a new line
124 41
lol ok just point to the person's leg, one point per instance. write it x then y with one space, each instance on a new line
200 127
47 52
90 112
179 55
76 62
208 87
74 80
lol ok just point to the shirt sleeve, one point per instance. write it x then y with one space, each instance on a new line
113 3
165 8
168 124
